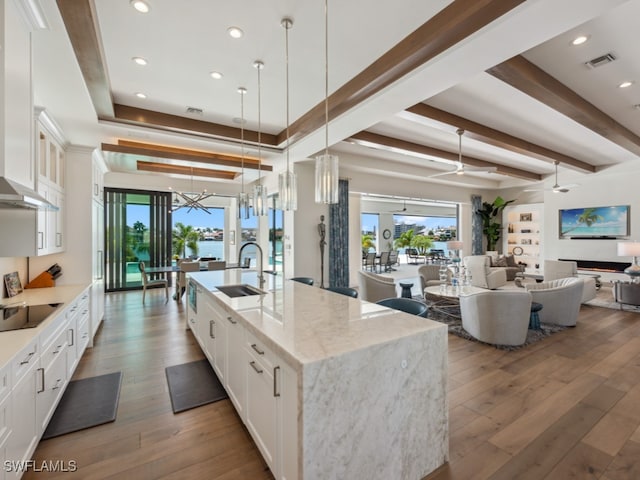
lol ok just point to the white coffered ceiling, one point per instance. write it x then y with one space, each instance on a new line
184 41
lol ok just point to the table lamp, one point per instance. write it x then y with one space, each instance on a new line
455 246
631 249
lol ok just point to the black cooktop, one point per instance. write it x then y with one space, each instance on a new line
29 316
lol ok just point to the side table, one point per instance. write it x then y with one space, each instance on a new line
534 318
406 290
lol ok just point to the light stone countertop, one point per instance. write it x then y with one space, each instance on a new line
13 341
306 324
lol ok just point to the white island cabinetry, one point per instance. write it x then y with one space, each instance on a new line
314 375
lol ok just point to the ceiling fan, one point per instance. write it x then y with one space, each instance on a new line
460 167
555 188
404 207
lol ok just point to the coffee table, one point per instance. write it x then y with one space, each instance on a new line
447 302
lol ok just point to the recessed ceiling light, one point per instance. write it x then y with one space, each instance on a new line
140 95
140 60
216 75
238 120
235 32
579 40
141 6
625 84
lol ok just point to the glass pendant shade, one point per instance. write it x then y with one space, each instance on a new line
287 190
327 178
260 207
243 206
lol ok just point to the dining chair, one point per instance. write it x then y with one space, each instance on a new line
305 280
407 305
383 261
185 266
216 265
146 283
348 291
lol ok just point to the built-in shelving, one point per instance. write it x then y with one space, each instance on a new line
523 233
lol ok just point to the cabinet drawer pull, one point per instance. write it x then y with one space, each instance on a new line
41 380
57 385
253 365
28 359
255 347
73 337
276 390
211 324
59 347
232 320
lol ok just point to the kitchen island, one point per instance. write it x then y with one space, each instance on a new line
328 386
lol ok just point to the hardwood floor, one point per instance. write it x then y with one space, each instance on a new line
147 441
566 407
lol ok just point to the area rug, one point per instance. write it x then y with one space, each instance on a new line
192 385
86 403
533 336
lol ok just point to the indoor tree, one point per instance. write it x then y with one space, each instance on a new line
490 213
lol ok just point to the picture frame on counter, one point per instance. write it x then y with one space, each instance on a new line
525 217
13 284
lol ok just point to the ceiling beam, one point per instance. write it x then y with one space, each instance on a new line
383 142
535 82
497 138
180 170
174 153
150 118
457 21
80 22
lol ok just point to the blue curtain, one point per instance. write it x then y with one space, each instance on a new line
339 238
476 226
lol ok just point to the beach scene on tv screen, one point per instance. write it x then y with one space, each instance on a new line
594 221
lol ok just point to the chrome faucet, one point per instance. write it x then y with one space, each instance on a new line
261 278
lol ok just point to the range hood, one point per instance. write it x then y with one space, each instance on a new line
14 195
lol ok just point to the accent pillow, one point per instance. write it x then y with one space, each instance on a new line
511 261
500 262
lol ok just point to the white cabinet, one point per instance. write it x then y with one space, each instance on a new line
53 376
24 433
522 233
262 388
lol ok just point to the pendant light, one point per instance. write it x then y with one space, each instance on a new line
259 191
287 180
326 164
243 198
191 200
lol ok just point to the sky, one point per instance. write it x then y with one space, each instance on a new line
369 220
197 218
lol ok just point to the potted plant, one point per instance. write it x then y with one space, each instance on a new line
490 213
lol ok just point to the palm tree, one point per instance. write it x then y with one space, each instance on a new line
367 242
184 236
589 217
422 243
404 240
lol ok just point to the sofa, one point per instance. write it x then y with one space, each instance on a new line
374 287
560 300
482 275
506 262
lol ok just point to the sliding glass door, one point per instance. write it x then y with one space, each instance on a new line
138 228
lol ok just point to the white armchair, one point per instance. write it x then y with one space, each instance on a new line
557 269
560 300
430 275
499 318
482 275
374 287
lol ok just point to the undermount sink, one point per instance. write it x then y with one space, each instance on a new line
241 290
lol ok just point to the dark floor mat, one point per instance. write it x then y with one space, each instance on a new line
86 403
192 385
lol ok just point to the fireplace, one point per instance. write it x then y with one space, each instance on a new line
599 265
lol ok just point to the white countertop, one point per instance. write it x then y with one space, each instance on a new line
13 341
307 324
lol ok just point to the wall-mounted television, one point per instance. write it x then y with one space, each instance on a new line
595 222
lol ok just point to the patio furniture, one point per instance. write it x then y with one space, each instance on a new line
369 262
413 256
